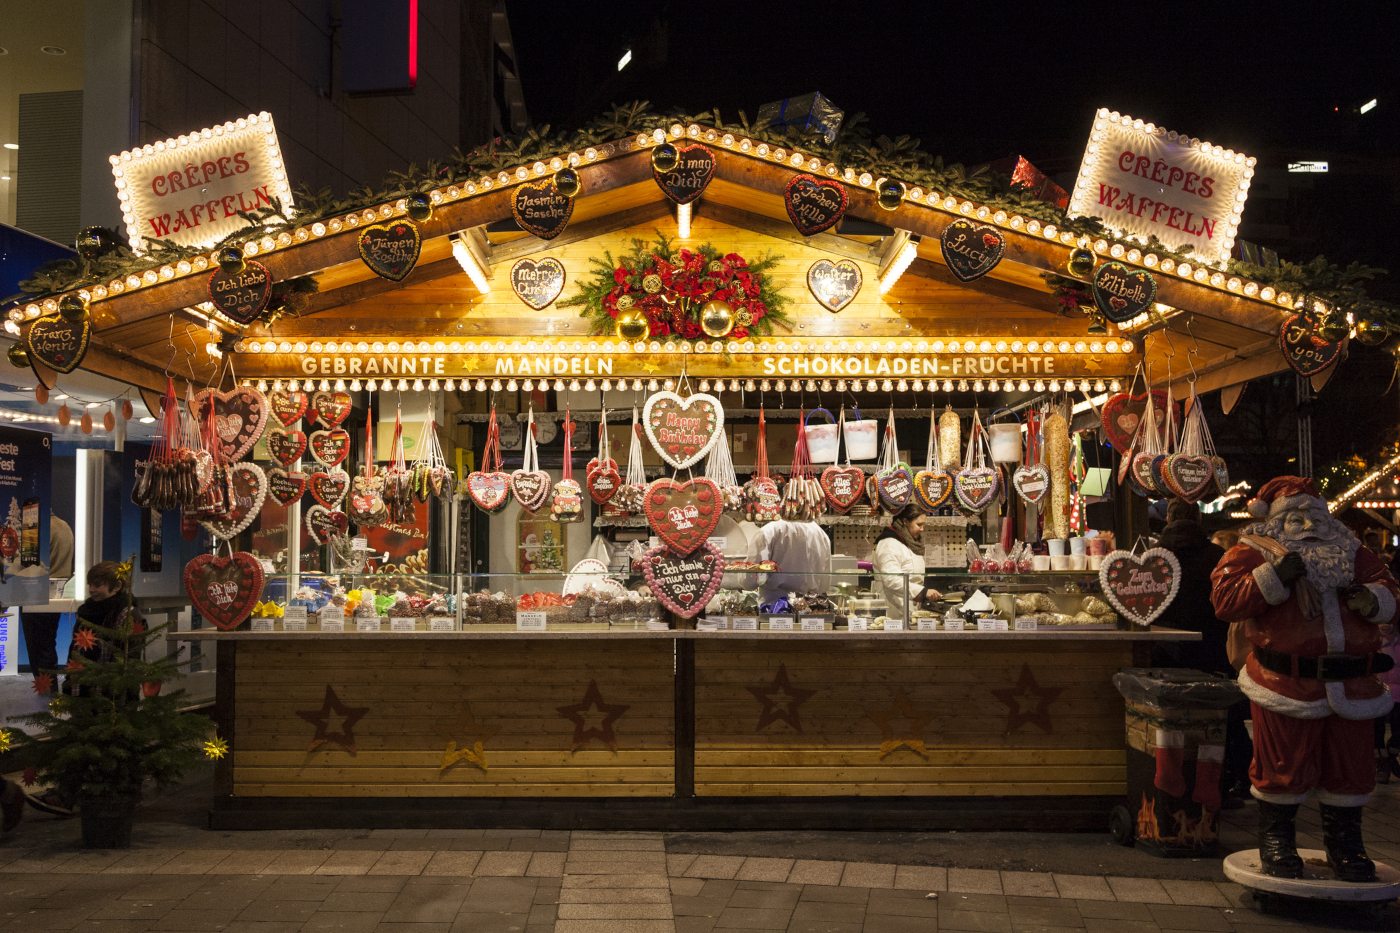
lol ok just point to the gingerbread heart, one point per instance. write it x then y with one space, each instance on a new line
834 284
322 524
537 282
440 480
241 295
976 488
971 250
58 343
896 486
285 487
682 429
694 168
224 589
285 446
540 209
240 417
683 515
287 407
1141 586
1032 482
391 250
331 407
684 584
330 447
530 488
1304 349
490 491
248 483
1123 412
329 487
1140 475
814 204
1189 476
931 488
604 480
843 486
1122 293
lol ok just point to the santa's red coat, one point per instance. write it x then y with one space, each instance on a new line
1246 589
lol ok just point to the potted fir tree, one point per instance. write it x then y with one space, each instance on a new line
106 741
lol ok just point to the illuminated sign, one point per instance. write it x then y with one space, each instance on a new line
1142 180
190 190
1307 166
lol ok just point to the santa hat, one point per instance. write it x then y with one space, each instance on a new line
1283 493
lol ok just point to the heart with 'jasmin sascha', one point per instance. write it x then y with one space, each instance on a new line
1032 482
977 487
285 487
489 490
285 445
931 488
329 487
224 589
682 429
683 515
684 583
843 487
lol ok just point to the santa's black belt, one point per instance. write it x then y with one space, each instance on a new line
1328 668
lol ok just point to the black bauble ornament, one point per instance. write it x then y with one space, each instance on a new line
420 207
73 308
230 260
890 194
1081 262
665 157
568 183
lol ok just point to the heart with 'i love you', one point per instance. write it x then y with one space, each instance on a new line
285 446
329 487
683 515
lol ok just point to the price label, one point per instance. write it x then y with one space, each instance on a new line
530 621
780 623
814 624
267 566
262 625
858 624
402 624
293 625
953 625
720 542
294 614
1026 625
719 623
894 625
743 623
992 625
333 619
928 625
442 624
359 544
367 625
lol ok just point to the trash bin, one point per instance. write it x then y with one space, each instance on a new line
1176 745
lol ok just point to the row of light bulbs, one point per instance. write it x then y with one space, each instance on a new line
656 385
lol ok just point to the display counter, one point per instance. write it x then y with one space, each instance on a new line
490 725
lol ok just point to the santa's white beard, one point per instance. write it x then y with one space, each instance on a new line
1328 551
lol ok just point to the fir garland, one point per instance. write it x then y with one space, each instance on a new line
669 286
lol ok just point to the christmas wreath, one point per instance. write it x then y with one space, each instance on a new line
671 287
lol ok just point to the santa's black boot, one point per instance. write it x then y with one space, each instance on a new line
1278 844
1341 836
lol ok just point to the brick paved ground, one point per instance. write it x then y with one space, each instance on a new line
532 881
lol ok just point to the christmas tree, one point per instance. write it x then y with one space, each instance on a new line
107 740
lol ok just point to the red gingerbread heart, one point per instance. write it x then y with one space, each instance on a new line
683 515
287 407
330 447
843 486
323 524
224 589
330 487
489 490
331 408
285 446
604 480
285 487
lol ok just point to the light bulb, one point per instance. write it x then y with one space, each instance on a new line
325 385
433 385
495 385
512 386
947 385
340 385
372 385
528 385
354 385
418 385
450 385
590 386
481 385
977 386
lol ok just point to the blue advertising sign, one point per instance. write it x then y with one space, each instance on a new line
26 466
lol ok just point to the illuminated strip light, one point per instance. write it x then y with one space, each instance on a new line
906 257
469 265
1382 504
1097 402
1345 498
683 221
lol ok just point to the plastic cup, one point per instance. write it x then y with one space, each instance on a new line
1076 545
1057 547
1041 562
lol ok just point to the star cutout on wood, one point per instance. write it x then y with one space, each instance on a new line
588 727
1093 364
465 725
651 368
780 701
1028 702
911 738
321 720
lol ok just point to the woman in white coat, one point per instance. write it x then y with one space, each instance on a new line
898 551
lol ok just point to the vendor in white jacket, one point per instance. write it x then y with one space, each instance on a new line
898 551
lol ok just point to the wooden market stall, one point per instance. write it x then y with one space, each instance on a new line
450 289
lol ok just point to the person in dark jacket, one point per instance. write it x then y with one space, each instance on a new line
1192 611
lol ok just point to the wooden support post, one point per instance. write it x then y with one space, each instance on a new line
685 718
224 712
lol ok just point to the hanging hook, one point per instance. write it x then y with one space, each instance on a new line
1195 349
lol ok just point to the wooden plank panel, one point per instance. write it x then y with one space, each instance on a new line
975 789
660 789
940 756
337 773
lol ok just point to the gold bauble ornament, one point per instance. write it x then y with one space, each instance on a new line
19 356
890 194
1371 333
651 284
230 260
716 318
744 318
665 157
1334 328
73 308
632 326
625 301
567 182
1081 262
420 207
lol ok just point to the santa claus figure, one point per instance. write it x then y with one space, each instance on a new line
1312 599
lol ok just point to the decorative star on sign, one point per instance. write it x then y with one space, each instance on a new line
588 726
320 718
1028 702
465 725
1093 364
780 701
911 738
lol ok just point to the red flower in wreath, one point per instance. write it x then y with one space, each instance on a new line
620 275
